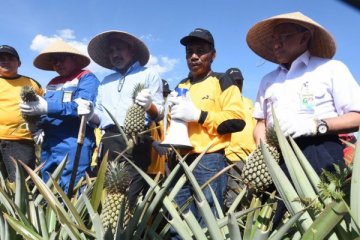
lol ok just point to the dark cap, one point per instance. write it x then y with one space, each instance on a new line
198 34
166 87
9 50
235 74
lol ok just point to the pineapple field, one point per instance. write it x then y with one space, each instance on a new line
317 207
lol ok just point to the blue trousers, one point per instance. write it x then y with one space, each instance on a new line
209 165
53 153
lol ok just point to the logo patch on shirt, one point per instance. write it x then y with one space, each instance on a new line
207 97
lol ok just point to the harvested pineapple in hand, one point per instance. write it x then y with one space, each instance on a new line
135 116
255 172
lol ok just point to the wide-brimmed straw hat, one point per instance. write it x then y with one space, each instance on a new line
42 61
259 37
98 47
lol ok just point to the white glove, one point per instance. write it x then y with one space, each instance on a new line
184 109
144 99
38 136
38 107
296 127
85 107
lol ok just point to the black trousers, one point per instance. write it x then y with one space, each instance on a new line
23 150
114 144
322 152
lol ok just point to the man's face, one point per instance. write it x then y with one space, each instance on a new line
64 64
9 65
289 42
199 56
120 54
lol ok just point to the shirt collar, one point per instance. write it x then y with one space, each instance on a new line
130 69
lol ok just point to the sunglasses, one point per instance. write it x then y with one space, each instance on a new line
283 37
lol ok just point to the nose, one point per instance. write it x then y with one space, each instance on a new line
194 56
276 44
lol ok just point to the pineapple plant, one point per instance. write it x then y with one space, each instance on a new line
135 116
117 180
255 172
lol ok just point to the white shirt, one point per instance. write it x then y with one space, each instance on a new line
115 93
313 87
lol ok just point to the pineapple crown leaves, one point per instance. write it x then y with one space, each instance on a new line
331 183
28 94
138 87
117 177
271 137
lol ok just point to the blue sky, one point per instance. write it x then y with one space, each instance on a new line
30 25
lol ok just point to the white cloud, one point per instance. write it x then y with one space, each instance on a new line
148 38
66 34
161 64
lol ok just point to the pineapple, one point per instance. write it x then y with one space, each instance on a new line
117 180
255 172
27 94
135 116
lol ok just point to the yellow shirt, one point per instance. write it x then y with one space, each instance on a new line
221 111
12 125
157 162
242 143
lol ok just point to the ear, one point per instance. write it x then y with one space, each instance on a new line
213 56
306 37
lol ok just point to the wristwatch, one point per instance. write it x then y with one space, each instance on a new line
322 127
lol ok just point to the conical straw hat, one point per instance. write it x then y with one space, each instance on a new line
42 61
98 47
259 37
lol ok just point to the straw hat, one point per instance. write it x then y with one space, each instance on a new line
259 36
42 61
98 46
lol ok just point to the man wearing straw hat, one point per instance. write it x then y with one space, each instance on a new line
315 97
61 108
15 141
126 55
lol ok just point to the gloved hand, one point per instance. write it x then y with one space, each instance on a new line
160 149
38 136
296 127
85 107
184 109
34 108
144 99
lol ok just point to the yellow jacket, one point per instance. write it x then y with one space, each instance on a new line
242 143
221 111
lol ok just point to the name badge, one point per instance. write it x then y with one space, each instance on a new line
306 99
67 96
